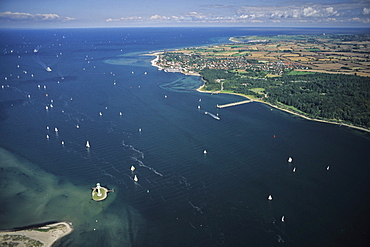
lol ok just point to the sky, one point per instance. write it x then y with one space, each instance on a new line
168 13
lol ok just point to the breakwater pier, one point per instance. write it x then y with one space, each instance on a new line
235 103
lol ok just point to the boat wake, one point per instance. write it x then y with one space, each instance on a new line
212 115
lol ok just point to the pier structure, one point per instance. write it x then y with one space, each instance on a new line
235 103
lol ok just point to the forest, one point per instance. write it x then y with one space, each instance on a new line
334 97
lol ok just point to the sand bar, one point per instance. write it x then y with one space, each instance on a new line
44 236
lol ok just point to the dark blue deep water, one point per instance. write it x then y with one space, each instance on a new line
150 119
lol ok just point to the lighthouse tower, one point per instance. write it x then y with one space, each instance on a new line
98 189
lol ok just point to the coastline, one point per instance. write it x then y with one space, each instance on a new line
45 235
291 112
154 63
286 110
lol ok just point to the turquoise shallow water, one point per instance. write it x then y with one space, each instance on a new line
183 197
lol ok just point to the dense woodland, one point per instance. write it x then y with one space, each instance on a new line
335 97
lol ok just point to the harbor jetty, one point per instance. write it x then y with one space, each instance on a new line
235 103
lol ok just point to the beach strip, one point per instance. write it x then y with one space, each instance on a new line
44 236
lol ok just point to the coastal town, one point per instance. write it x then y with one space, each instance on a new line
191 63
275 55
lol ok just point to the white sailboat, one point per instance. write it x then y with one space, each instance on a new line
290 159
87 144
205 151
327 168
283 219
135 178
132 168
269 198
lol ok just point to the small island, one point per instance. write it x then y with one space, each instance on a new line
99 193
323 77
42 236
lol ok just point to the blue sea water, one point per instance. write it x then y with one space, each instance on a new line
150 119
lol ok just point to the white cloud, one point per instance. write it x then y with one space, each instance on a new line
159 17
17 16
310 12
131 18
293 13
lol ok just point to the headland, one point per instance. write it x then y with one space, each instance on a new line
278 71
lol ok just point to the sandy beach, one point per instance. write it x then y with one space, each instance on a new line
41 236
